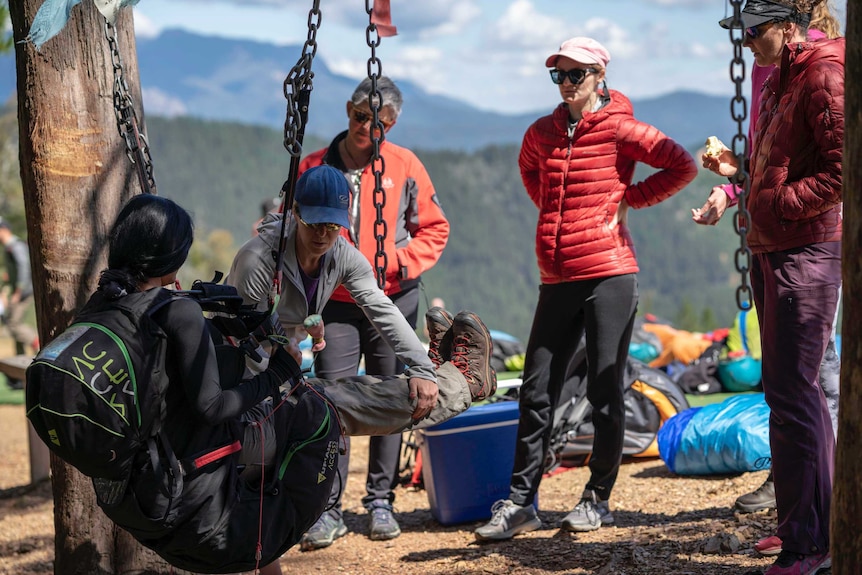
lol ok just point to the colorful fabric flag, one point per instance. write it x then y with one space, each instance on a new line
49 20
53 15
110 8
381 16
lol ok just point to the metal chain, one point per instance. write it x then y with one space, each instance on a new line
740 148
378 166
297 91
137 147
299 82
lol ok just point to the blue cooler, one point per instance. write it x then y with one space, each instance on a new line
467 461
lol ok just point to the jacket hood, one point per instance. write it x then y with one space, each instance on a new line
801 54
617 104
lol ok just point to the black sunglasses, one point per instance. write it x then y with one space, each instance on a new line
755 32
575 75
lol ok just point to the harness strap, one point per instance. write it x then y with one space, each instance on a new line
173 484
191 464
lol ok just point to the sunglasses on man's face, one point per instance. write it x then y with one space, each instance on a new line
361 117
326 227
755 32
576 75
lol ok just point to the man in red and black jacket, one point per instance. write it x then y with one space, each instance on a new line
416 233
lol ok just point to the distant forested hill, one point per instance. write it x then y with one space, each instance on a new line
222 172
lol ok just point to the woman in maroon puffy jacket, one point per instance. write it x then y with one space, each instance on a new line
795 236
577 165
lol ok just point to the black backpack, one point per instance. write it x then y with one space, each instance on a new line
95 394
651 397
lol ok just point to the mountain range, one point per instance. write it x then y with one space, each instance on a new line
213 78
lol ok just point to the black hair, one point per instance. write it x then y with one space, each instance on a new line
150 238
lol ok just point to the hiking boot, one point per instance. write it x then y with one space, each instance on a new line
325 530
768 545
589 514
761 498
382 524
789 563
438 322
471 354
507 520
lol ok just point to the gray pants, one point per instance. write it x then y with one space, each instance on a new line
370 405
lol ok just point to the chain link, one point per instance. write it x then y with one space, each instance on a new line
297 91
137 147
378 166
740 148
297 86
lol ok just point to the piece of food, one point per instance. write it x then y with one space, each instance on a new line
714 147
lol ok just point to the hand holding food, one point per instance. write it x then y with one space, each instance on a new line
314 326
714 147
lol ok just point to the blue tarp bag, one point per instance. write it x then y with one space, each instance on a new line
727 437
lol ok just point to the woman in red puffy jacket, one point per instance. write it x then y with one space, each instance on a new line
577 165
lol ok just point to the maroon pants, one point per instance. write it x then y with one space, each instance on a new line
796 295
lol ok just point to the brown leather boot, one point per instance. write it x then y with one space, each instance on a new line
438 321
471 354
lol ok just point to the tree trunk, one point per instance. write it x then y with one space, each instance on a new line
847 495
75 175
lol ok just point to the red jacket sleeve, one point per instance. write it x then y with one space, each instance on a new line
644 143
426 222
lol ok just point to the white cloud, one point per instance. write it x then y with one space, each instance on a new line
684 3
461 15
419 64
144 27
161 104
414 17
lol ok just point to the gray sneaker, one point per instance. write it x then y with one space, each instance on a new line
325 530
507 520
382 524
589 514
761 498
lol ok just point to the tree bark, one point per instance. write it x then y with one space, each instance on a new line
75 175
847 495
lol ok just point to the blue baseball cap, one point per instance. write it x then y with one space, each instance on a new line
323 196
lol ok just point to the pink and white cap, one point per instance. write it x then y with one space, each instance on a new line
581 49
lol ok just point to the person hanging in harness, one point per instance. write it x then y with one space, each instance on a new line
229 434
416 233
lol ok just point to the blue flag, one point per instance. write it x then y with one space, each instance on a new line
53 15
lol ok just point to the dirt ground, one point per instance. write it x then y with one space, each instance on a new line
666 525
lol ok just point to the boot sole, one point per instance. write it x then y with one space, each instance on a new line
584 528
311 545
754 507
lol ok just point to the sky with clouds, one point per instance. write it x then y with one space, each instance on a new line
489 53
